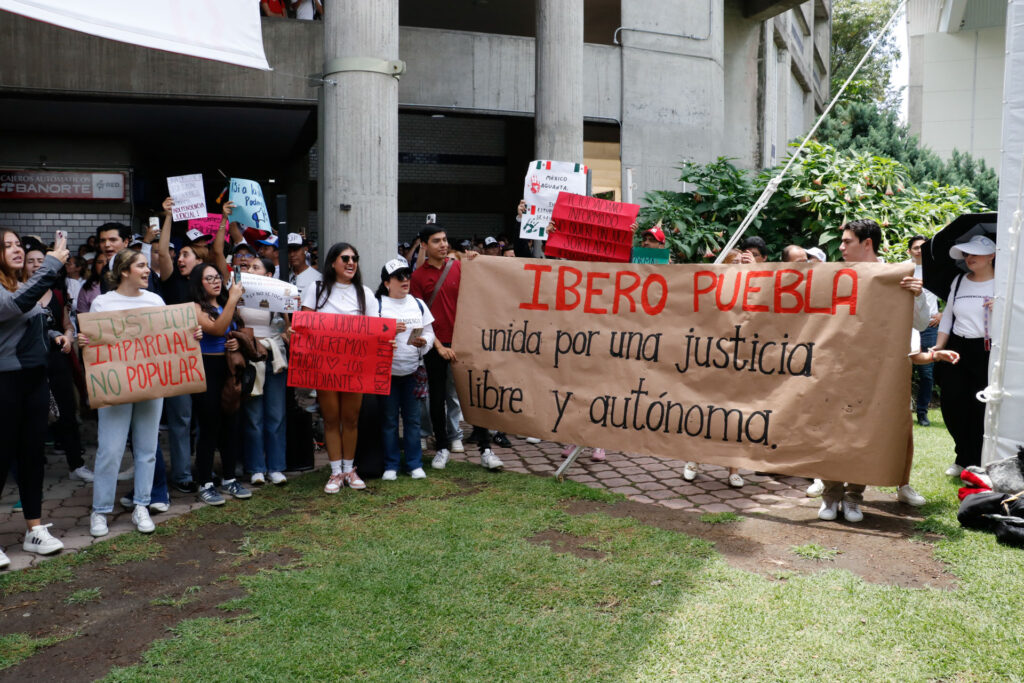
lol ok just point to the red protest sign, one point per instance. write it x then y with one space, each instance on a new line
591 229
208 225
341 352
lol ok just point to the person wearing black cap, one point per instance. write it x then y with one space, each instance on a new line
437 283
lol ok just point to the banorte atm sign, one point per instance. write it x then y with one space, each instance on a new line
61 185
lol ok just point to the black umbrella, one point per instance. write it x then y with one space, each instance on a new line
940 269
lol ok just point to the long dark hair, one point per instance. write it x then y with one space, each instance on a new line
198 292
331 277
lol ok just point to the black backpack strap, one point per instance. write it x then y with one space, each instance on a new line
952 312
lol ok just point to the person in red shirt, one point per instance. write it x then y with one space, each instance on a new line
442 274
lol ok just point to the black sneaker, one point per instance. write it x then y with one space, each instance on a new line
187 486
502 440
924 421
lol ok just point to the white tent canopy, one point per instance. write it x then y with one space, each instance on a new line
222 30
1004 428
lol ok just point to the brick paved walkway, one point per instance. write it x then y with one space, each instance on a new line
658 481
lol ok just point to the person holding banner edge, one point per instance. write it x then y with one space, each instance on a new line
216 311
340 292
24 397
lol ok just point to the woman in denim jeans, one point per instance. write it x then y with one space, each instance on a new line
129 280
263 422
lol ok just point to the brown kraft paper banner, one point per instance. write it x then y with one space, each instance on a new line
141 354
788 368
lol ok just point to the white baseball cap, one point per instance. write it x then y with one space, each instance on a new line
978 245
815 252
194 235
395 265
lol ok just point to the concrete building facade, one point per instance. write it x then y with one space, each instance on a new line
955 91
662 81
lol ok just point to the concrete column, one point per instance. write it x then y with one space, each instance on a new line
558 105
359 143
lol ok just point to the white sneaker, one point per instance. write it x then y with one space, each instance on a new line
389 475
907 494
851 511
257 479
82 473
440 459
828 511
954 470
5 561
418 473
816 489
735 481
159 507
457 446
127 475
690 471
532 439
277 478
141 520
98 524
489 460
39 540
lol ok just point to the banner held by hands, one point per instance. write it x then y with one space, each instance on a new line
341 352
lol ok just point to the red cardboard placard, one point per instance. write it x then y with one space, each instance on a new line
334 352
591 229
208 225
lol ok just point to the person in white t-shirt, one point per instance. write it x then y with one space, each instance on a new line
129 281
415 337
342 292
302 274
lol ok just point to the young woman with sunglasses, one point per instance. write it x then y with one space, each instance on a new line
24 395
342 293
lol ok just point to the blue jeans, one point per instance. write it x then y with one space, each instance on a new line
143 420
179 421
264 426
925 378
401 399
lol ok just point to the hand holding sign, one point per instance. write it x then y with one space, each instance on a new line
341 352
251 210
188 195
591 229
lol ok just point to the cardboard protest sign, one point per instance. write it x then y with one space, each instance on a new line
141 354
269 294
208 225
591 229
341 352
649 255
785 367
544 180
250 209
188 195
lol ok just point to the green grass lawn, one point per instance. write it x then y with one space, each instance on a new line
437 581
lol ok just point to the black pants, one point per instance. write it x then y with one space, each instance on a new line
437 385
24 407
963 413
61 379
217 430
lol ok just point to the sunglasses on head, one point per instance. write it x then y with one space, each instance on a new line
349 258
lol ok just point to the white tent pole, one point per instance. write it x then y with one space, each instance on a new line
774 183
993 394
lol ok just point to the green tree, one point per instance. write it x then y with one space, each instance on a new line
855 25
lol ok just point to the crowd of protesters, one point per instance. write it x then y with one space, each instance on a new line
43 287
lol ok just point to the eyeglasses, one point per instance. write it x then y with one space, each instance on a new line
212 278
347 258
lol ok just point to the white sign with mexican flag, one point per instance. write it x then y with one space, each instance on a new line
544 180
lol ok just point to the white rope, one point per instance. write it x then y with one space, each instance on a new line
993 394
774 183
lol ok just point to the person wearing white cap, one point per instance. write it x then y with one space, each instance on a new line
303 275
814 253
965 328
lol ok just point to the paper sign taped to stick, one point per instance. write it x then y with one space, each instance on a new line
591 229
141 354
250 209
781 367
269 294
208 225
649 255
334 352
544 180
188 195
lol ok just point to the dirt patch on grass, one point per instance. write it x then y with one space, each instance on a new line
115 612
881 549
564 543
466 488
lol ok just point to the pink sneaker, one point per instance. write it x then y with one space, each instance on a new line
353 481
597 455
567 451
334 483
